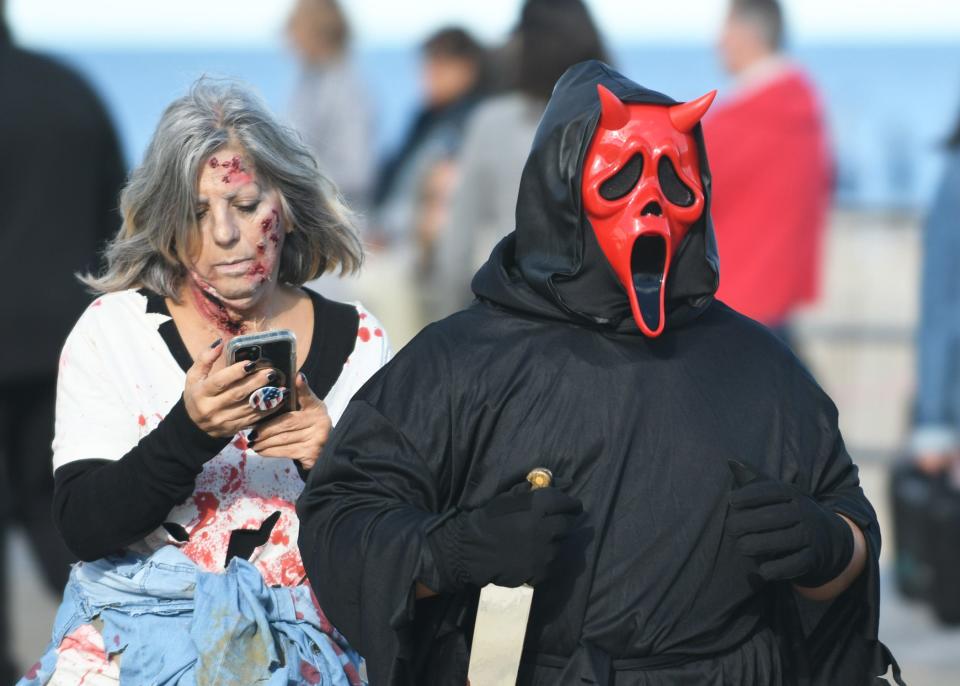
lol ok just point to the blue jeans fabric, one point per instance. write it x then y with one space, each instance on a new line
178 625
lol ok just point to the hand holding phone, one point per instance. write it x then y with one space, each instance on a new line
217 401
298 435
276 350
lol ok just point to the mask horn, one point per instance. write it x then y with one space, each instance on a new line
613 113
686 115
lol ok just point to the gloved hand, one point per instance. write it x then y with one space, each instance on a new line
511 540
790 535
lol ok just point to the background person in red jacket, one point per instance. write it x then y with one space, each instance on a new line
771 169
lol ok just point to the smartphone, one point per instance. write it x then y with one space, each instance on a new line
270 350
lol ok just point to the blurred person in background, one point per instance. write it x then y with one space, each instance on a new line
175 483
330 105
433 212
61 177
925 488
935 441
771 169
550 36
452 81
414 185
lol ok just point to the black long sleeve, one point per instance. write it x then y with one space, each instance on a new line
101 506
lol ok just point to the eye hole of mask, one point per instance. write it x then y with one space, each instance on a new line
675 190
624 180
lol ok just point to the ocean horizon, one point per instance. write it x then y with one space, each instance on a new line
889 106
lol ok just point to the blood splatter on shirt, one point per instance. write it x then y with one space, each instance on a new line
82 659
118 344
238 489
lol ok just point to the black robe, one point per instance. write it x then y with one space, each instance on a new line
548 369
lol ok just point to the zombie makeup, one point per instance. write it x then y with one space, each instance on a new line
268 248
240 243
211 307
236 172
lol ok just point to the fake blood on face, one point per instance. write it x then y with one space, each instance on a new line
271 227
259 271
236 172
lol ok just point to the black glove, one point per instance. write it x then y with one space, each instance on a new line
790 535
511 540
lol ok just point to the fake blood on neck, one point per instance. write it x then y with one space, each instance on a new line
214 311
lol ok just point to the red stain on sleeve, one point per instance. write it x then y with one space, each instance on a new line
378 333
32 672
141 420
363 315
363 333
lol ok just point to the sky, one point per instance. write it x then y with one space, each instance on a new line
259 23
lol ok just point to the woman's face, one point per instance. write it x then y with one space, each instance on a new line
237 254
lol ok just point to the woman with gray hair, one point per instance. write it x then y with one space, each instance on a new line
174 486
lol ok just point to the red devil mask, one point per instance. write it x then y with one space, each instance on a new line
642 192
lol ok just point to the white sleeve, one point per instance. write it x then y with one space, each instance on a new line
91 420
371 352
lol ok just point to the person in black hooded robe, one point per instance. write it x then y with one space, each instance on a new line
706 461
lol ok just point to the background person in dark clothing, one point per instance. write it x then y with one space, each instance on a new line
551 36
61 175
452 83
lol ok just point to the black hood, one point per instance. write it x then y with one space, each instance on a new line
551 265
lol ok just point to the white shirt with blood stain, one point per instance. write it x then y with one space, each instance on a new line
117 381
82 659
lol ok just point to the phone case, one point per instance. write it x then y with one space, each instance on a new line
270 349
